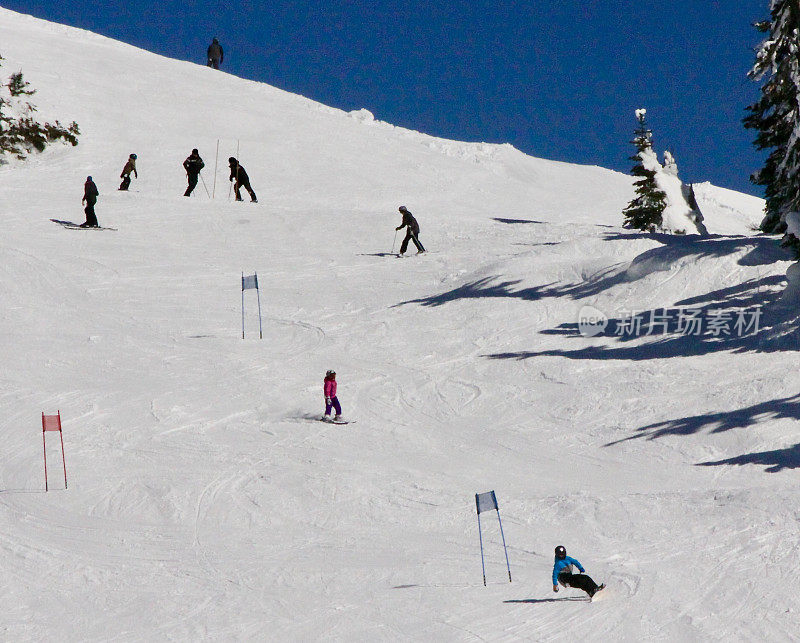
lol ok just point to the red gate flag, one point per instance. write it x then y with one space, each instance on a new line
53 423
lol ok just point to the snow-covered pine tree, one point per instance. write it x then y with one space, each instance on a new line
645 211
776 115
20 132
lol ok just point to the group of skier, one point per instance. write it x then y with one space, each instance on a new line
193 164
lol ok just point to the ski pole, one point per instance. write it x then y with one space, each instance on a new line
205 186
395 241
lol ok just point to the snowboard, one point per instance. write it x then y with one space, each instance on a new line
601 587
69 225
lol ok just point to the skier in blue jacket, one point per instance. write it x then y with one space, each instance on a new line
563 574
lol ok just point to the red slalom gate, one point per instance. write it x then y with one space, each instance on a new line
53 423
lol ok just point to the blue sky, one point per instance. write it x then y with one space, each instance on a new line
558 80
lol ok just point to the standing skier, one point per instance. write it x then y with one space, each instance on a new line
90 195
331 401
130 166
562 573
242 180
215 54
193 164
412 233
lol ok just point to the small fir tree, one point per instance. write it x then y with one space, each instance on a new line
775 116
645 211
20 132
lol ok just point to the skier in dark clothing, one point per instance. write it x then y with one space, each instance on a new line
130 166
215 54
412 233
242 180
90 195
193 164
562 573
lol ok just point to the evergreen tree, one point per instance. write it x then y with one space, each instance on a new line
775 115
645 211
20 132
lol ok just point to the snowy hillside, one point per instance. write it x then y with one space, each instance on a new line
205 500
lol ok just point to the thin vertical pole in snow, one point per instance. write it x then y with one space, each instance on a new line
44 449
504 543
63 457
216 160
480 536
258 297
242 305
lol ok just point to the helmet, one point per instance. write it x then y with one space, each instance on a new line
329 373
232 160
561 551
403 208
88 178
133 156
194 151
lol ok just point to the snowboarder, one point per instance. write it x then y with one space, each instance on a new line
193 164
562 573
90 195
242 180
331 401
215 54
130 166
412 233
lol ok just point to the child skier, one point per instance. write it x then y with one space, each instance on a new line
329 388
562 573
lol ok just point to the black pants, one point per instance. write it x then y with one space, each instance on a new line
192 184
246 186
91 219
213 62
126 181
410 236
578 581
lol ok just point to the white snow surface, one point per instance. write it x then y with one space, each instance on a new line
205 500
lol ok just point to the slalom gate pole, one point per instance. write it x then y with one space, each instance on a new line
44 447
242 305
480 536
258 297
205 186
230 183
216 160
63 457
504 545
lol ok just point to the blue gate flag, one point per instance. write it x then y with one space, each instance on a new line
486 501
251 281
248 283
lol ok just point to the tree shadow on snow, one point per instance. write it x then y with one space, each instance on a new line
759 251
775 461
514 221
784 408
778 328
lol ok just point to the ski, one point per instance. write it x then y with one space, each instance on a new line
69 225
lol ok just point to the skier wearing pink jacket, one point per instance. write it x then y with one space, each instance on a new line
331 401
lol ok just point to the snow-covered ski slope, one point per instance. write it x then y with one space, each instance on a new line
205 500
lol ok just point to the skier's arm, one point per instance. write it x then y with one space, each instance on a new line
556 569
577 564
